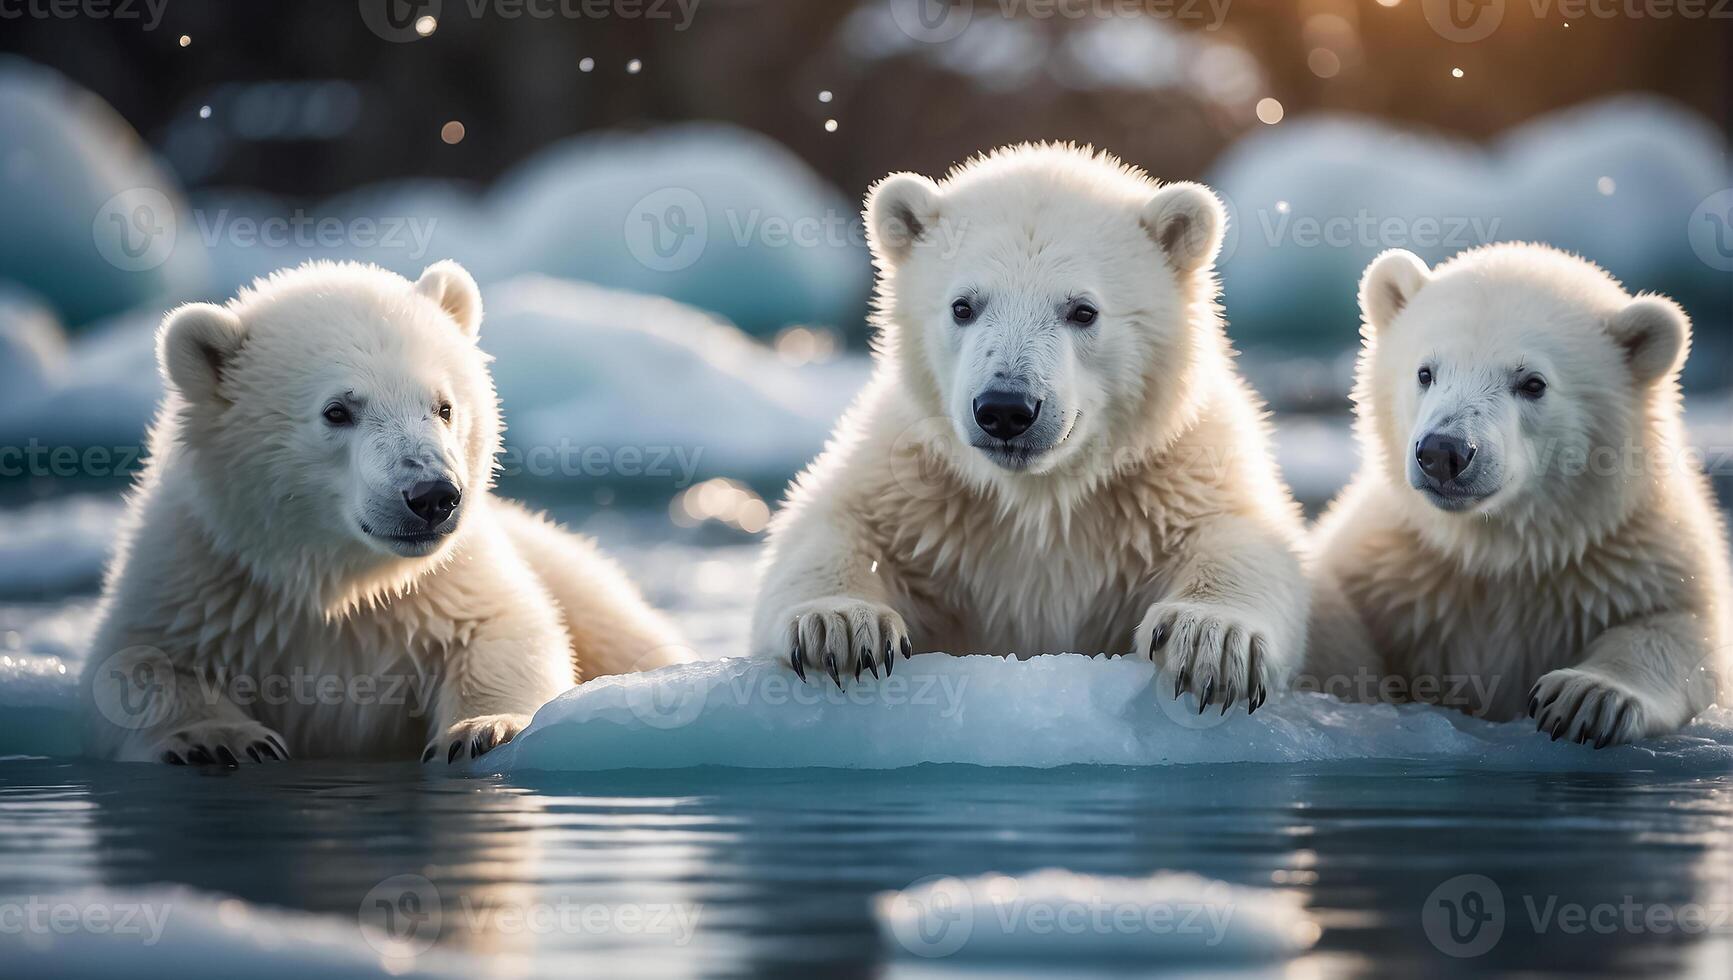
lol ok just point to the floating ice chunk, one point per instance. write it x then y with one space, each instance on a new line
1073 918
179 932
1046 711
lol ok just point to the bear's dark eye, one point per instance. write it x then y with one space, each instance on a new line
1425 377
1532 387
962 310
337 414
1082 314
445 411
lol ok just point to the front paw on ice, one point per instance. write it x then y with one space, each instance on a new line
844 638
1212 653
1585 707
473 738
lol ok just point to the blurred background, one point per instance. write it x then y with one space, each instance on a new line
661 200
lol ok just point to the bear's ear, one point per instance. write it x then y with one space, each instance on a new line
1187 223
899 210
1389 283
454 289
196 342
1655 333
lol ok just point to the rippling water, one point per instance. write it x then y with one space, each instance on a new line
773 871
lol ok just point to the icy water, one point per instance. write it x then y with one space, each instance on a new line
1408 868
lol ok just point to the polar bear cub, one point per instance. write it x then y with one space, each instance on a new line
1527 513
1055 452
313 562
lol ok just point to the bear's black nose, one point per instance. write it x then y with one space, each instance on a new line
1442 457
1005 414
433 500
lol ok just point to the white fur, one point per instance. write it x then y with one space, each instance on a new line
246 572
1155 503
1584 581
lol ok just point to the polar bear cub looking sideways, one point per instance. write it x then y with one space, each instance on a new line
1055 452
313 562
1527 512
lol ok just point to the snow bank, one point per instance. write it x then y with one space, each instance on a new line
56 546
1314 199
88 211
581 366
1043 712
1069 918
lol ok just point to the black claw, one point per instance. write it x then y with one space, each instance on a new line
1225 703
866 655
198 755
1209 692
173 758
253 753
1540 725
1157 639
1559 729
267 750
908 649
456 747
1606 737
428 755
890 658
860 663
227 758
1178 686
830 668
794 660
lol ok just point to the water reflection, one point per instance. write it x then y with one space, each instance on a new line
716 872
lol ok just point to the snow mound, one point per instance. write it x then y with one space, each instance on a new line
1043 712
1071 918
57 546
91 220
1313 200
579 366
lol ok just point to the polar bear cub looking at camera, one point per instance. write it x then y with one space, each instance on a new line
1527 513
313 562
1055 452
